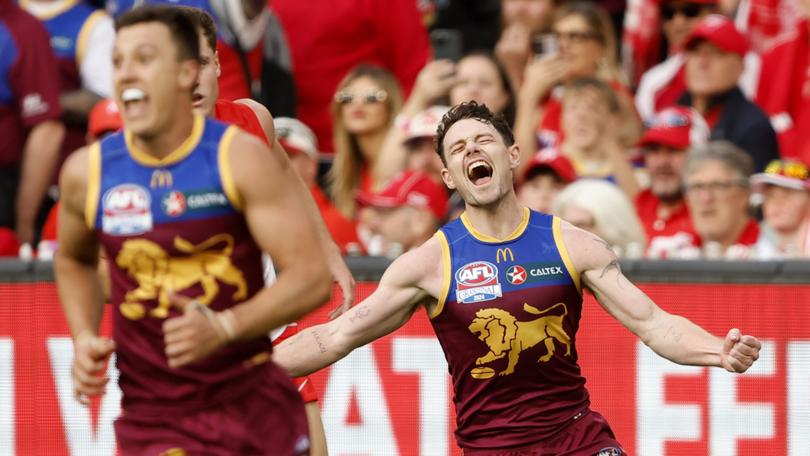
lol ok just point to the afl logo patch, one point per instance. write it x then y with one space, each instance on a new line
126 210
477 282
516 275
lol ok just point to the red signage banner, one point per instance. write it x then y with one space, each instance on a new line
394 397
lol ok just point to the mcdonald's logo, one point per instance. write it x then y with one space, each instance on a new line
504 254
161 178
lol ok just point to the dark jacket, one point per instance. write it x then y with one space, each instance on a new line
744 124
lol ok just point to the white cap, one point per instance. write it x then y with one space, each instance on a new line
424 124
296 137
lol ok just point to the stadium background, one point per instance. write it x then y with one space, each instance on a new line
394 397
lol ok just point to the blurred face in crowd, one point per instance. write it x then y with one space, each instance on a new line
363 106
422 157
679 18
538 192
710 70
479 165
207 90
399 229
150 80
584 118
478 80
533 14
665 166
718 201
806 8
580 46
784 208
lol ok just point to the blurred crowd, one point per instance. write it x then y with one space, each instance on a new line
671 128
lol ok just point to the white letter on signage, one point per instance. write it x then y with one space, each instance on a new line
7 445
728 419
424 356
657 421
358 374
798 367
81 437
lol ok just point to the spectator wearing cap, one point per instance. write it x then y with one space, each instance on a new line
714 62
603 209
785 187
784 90
661 207
715 182
663 84
406 213
31 131
302 147
545 177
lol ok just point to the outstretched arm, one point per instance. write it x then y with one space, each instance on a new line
412 279
671 336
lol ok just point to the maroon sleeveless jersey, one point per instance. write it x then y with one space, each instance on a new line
507 323
175 225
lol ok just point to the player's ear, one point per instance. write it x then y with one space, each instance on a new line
448 179
514 156
188 74
216 62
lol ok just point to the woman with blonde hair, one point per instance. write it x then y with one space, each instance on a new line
587 48
602 208
364 107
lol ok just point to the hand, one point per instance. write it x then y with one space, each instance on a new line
90 354
343 277
195 334
541 75
514 48
434 81
739 352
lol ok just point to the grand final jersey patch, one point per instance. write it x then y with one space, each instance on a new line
127 210
477 282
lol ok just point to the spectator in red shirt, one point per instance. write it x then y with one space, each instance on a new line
330 37
785 188
661 207
406 213
784 90
364 107
715 182
29 119
587 48
302 146
714 62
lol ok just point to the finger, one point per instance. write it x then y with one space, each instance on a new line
86 379
177 336
81 398
175 324
88 364
744 350
751 341
732 338
179 301
182 360
735 365
176 349
101 347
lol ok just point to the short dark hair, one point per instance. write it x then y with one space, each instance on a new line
608 94
181 28
472 110
203 22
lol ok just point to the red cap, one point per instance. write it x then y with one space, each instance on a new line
677 127
721 32
104 118
9 246
553 160
783 173
409 189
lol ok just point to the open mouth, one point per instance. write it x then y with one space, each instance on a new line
197 99
135 102
479 172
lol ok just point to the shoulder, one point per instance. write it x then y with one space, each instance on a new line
587 250
73 178
262 114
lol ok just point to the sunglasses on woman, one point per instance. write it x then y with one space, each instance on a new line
689 11
345 97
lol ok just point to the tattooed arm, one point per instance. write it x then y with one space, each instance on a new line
671 336
414 278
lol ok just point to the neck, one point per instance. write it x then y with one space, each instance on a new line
794 237
731 237
499 220
370 144
164 143
666 207
700 103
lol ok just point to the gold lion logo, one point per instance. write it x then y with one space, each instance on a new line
505 335
158 274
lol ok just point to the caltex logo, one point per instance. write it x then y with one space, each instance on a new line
516 275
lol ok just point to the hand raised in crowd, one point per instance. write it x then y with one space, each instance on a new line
434 81
540 76
90 355
513 50
739 351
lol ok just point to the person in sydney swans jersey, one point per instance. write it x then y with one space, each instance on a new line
502 286
184 206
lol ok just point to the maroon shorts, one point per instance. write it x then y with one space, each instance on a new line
587 435
265 421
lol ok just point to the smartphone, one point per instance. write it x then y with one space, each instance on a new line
446 44
545 44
